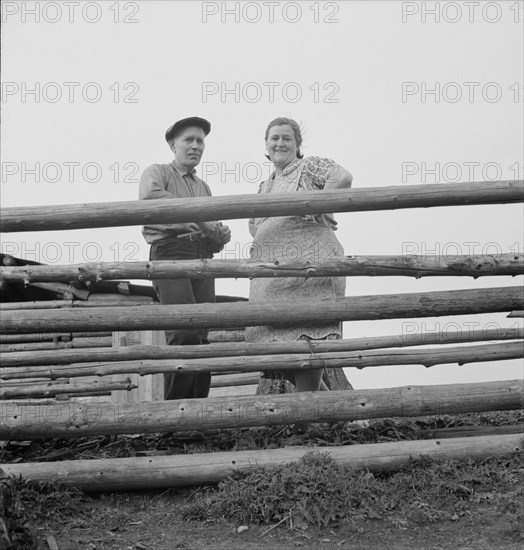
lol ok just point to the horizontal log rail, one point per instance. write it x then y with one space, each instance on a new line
33 381
468 431
75 343
345 266
387 306
52 390
427 357
99 300
20 421
72 304
413 337
50 336
198 209
162 472
219 380
62 289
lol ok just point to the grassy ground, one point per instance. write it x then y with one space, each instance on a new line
312 503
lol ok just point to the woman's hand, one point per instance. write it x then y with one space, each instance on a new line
340 178
252 227
327 219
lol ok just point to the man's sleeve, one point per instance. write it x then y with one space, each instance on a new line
207 189
152 184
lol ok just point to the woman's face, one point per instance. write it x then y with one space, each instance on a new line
281 145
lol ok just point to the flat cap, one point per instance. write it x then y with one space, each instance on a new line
178 126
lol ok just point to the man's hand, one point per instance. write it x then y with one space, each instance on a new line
209 229
192 227
216 231
224 235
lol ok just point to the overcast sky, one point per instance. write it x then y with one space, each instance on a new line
397 92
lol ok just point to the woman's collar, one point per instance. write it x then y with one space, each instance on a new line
291 166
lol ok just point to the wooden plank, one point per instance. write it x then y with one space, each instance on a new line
233 391
146 388
225 335
219 380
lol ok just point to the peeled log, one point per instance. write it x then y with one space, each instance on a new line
411 338
19 421
345 266
64 304
386 306
161 472
50 336
99 300
31 347
53 390
357 359
198 209
60 288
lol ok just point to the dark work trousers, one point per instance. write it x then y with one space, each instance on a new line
184 291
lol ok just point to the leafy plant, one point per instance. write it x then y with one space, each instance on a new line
317 491
313 491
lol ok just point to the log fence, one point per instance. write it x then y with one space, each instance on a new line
41 356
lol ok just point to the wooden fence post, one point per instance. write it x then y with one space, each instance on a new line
150 386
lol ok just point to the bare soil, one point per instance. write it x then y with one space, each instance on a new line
152 522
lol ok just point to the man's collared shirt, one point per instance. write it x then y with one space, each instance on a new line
169 181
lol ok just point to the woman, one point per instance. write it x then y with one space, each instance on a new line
296 238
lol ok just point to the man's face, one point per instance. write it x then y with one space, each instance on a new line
189 146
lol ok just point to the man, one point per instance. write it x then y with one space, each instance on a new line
183 241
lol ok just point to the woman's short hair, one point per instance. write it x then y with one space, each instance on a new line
280 121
